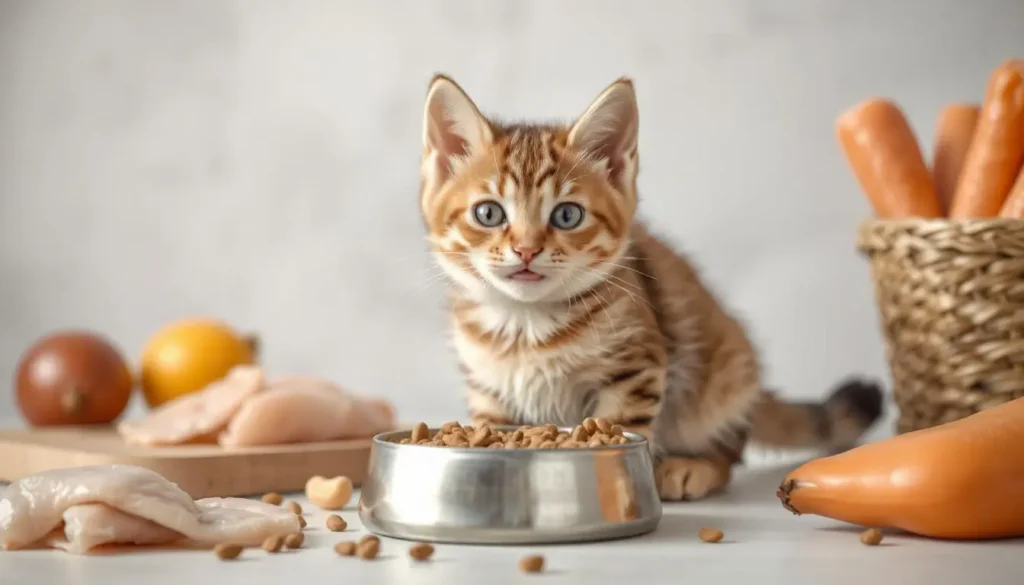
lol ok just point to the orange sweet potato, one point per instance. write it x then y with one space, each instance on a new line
960 480
953 133
996 151
884 155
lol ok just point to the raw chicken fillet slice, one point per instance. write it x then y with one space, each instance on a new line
128 504
196 415
88 526
298 409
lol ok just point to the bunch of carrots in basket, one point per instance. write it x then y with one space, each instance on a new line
976 169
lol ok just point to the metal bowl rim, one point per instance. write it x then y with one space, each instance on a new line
636 441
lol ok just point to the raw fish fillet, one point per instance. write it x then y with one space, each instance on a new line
300 409
88 526
196 415
33 507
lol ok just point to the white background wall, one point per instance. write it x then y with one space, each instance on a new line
257 161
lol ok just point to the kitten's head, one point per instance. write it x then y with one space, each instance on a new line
532 213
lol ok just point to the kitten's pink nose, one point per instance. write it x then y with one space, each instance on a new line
526 253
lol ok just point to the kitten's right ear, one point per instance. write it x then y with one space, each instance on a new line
453 127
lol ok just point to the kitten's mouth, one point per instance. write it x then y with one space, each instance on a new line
526 275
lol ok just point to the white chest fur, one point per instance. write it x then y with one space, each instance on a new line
536 384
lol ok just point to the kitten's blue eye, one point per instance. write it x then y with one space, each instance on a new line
567 216
489 214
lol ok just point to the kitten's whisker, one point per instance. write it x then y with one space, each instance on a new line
568 310
635 270
608 275
607 307
610 279
432 280
597 332
569 179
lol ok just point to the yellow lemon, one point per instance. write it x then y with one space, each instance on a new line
186 356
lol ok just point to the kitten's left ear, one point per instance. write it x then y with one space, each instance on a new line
453 127
608 130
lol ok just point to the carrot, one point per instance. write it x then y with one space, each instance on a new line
1014 206
997 147
953 133
884 155
960 480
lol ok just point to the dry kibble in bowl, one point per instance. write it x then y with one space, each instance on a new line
227 551
710 534
531 564
302 521
420 432
592 433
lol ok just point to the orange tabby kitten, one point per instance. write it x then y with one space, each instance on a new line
565 306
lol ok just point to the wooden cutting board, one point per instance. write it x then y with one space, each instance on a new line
200 470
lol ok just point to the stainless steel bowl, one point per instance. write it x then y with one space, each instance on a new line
508 496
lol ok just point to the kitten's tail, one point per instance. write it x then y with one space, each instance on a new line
835 424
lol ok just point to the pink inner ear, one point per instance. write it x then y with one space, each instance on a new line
443 136
612 153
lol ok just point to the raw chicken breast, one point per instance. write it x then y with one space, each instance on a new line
196 415
88 526
241 521
33 507
298 409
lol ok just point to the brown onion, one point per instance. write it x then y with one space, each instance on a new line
72 378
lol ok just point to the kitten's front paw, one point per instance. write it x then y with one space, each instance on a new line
689 479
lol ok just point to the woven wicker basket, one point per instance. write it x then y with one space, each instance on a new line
950 297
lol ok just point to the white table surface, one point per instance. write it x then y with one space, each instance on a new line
763 544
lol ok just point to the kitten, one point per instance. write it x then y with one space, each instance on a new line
565 306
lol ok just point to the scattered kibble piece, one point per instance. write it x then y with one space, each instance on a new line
226 551
531 564
272 544
272 498
421 551
368 548
302 521
871 537
710 534
294 507
345 548
294 540
336 523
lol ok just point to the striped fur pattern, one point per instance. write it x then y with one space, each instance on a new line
565 305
